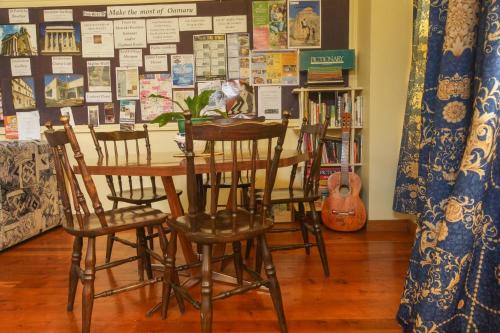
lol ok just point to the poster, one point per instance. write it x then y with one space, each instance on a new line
130 57
270 102
28 125
109 113
130 34
127 115
97 39
93 115
62 64
23 93
26 40
163 49
217 100
179 96
60 38
304 24
197 23
62 90
99 75
238 56
182 70
156 95
210 56
10 123
162 30
127 83
20 66
239 97
275 68
230 24
269 20
156 63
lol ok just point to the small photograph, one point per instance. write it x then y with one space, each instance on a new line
93 115
23 93
64 90
99 75
60 38
109 113
18 40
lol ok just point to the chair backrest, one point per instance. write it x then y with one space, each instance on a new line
311 138
118 142
67 178
264 153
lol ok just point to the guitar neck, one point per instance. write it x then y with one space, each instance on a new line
344 162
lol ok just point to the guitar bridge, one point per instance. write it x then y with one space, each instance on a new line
348 213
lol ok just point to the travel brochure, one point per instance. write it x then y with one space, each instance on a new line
275 68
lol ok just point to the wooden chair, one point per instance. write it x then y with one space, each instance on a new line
84 224
230 224
309 222
126 191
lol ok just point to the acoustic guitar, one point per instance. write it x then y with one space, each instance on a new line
343 210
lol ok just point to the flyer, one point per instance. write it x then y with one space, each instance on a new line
210 56
99 75
19 15
182 70
97 39
93 115
230 24
162 30
127 115
62 65
127 83
196 23
28 125
109 113
269 20
304 24
130 34
130 57
10 123
238 56
274 68
20 66
163 49
156 95
179 96
269 102
156 63
239 97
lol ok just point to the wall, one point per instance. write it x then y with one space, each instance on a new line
380 31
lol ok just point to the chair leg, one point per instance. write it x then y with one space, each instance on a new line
238 262
258 256
206 289
169 272
88 286
248 248
140 254
151 240
74 271
303 229
319 240
274 286
110 240
146 258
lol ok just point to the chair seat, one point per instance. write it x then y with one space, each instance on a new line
118 220
138 197
285 195
223 231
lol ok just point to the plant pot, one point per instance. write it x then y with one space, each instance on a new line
181 123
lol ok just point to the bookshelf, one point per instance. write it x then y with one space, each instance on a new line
314 102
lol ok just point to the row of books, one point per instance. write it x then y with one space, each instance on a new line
332 151
335 107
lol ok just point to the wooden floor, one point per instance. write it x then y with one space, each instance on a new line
361 295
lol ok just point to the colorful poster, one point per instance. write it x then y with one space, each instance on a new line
304 24
99 75
10 123
179 96
62 90
18 40
182 70
127 83
275 68
23 93
239 97
210 56
97 39
127 115
238 56
60 38
269 24
156 95
130 34
217 100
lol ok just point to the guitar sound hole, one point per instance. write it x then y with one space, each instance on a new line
344 190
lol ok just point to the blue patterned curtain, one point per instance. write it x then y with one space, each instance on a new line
448 173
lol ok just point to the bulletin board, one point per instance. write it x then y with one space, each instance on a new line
335 35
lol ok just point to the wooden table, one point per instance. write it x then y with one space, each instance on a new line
166 165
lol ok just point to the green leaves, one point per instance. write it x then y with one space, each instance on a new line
167 117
